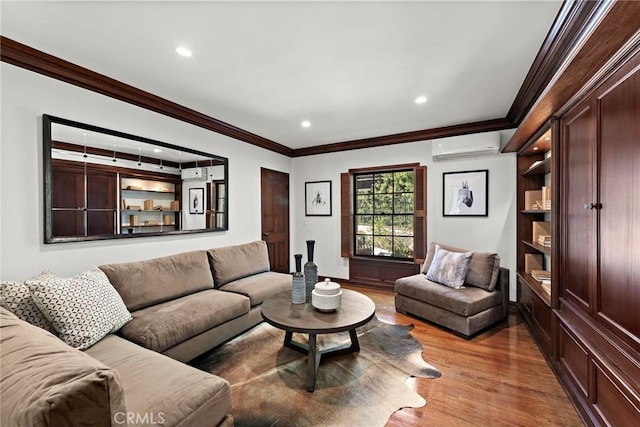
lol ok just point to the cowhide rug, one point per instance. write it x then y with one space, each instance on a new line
357 389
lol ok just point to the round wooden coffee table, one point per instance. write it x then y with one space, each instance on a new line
356 310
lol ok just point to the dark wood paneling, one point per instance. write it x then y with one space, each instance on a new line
613 404
380 273
578 224
420 214
619 177
575 360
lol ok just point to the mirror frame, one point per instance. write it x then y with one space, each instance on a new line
48 121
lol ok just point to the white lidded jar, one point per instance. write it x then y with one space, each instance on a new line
326 296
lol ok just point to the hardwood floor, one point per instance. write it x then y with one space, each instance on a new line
499 378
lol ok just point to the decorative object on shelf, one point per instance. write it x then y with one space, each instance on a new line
317 197
465 193
326 296
310 270
298 286
196 200
134 220
166 219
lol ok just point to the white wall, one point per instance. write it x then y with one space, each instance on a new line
497 232
25 97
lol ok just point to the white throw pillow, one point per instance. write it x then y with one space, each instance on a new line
15 297
82 309
449 268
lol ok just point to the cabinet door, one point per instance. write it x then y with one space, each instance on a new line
578 218
101 202
67 193
619 180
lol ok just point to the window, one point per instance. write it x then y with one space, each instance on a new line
384 214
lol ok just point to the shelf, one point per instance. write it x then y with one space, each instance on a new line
535 286
149 210
536 211
149 191
542 168
147 226
537 247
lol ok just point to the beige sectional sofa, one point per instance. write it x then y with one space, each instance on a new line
181 306
482 302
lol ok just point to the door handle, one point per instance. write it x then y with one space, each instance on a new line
589 206
265 234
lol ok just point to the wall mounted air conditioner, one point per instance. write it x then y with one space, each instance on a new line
465 146
194 173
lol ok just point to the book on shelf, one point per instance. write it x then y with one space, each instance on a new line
531 198
544 240
540 228
546 198
133 207
174 205
546 286
148 205
541 275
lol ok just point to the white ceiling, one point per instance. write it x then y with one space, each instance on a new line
352 68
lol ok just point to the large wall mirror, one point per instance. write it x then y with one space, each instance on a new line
105 184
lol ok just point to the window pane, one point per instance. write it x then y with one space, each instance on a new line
383 246
364 184
364 245
383 204
403 182
403 247
403 203
383 182
364 204
403 225
383 225
364 224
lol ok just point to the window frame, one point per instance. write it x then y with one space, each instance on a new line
347 205
393 214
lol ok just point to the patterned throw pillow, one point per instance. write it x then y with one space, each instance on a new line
82 309
449 268
15 297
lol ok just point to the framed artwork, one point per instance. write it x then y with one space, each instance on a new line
317 198
465 193
196 200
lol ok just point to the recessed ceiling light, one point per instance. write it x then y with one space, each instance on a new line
157 150
536 148
183 51
421 99
305 124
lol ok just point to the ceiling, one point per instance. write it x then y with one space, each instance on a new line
353 69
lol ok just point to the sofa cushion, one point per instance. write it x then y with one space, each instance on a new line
82 309
235 262
15 297
46 382
168 392
483 268
260 286
145 283
464 302
449 268
164 325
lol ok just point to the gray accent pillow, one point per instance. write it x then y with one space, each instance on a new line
15 297
483 268
449 268
82 309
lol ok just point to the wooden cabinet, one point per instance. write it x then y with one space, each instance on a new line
599 251
83 200
535 225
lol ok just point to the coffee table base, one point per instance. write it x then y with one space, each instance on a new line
314 355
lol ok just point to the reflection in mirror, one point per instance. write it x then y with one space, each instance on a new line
105 184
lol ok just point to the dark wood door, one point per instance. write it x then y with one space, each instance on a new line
275 217
579 220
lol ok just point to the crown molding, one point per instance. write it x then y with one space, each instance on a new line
400 138
538 98
593 44
20 55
